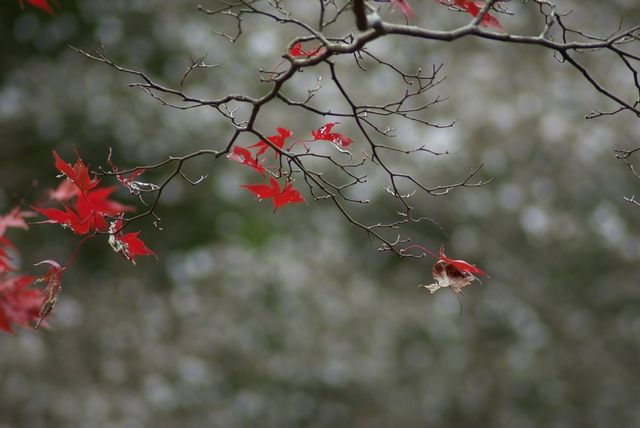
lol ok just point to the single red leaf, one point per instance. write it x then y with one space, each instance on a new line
280 198
5 322
78 174
65 191
324 133
474 8
42 4
129 245
135 246
404 7
297 50
14 219
461 264
19 304
52 290
243 156
128 182
276 140
447 272
262 191
66 219
94 205
288 195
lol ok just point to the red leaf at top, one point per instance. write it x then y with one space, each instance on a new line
403 6
42 4
276 140
78 174
474 8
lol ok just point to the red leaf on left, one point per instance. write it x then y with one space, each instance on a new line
53 288
67 219
19 304
14 219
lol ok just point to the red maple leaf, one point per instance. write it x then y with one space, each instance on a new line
128 182
280 197
78 173
42 4
14 219
324 133
128 245
52 290
297 50
288 195
65 191
67 219
276 140
93 206
403 6
474 8
19 304
461 264
447 272
243 156
5 259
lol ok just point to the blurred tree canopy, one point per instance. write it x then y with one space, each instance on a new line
296 319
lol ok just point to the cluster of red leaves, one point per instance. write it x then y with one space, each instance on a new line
42 4
286 195
86 207
473 7
87 210
456 274
19 304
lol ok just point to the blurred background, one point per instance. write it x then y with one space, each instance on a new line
294 319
